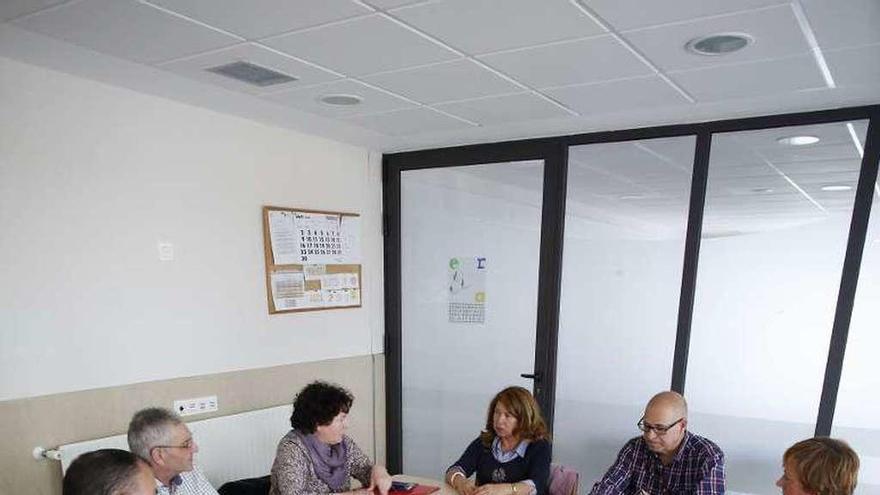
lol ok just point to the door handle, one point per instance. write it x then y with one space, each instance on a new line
532 376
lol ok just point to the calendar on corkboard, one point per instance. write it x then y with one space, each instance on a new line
312 259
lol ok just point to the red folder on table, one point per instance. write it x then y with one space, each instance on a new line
418 490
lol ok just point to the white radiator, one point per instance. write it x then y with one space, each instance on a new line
230 447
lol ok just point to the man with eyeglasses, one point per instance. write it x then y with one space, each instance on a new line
666 458
161 438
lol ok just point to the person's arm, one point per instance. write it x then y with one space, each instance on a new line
616 479
538 474
290 471
362 469
711 476
458 473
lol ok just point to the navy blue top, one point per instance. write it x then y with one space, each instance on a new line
535 465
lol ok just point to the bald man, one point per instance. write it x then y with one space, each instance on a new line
666 458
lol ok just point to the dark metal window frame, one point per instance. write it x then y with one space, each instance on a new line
554 152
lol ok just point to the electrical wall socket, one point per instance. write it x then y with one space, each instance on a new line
200 405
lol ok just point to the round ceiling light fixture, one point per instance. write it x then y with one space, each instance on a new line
341 100
836 187
718 44
798 140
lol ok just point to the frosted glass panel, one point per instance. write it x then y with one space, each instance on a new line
451 370
626 217
857 415
775 230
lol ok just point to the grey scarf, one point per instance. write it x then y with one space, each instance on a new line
329 461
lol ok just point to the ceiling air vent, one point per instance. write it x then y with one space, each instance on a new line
249 73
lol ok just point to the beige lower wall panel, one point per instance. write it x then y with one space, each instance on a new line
54 420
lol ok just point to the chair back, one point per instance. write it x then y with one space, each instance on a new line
250 486
563 480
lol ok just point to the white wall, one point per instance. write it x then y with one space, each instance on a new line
93 176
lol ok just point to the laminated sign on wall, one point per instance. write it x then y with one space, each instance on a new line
312 259
467 290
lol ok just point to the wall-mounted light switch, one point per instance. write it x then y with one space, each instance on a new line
166 251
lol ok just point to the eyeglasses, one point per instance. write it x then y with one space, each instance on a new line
189 444
659 430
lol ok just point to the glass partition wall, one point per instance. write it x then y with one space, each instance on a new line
720 260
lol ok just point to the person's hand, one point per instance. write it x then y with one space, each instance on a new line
465 487
380 480
494 489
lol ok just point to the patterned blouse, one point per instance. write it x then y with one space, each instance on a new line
293 473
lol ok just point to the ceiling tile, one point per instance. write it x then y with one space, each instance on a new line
574 62
458 80
362 46
843 24
409 121
480 26
259 18
617 96
195 68
10 9
751 79
631 14
504 109
307 99
855 66
775 31
126 29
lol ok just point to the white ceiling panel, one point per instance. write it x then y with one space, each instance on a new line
259 18
797 154
10 9
308 99
195 68
498 109
126 29
362 46
840 24
775 31
751 79
855 66
409 121
447 81
561 64
616 96
480 26
631 14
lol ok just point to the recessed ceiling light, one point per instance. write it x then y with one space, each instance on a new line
797 140
836 187
342 100
719 43
630 197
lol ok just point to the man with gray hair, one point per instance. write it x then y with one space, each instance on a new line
161 438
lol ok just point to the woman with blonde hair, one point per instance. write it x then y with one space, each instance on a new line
512 454
819 466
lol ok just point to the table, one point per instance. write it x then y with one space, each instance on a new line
444 488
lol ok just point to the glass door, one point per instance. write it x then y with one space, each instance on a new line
469 250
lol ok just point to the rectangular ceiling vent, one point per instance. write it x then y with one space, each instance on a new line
249 73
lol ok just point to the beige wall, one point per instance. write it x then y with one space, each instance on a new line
54 420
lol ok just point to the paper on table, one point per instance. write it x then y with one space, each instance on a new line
284 237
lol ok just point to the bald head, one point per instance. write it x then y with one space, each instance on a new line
667 403
664 424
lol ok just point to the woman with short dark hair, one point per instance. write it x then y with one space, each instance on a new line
512 454
316 457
